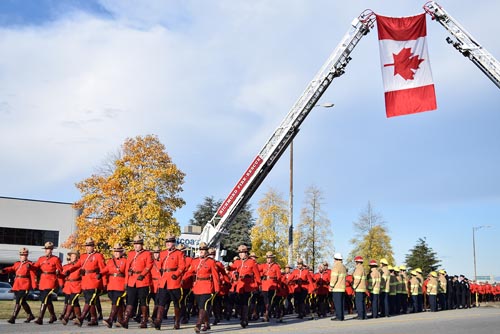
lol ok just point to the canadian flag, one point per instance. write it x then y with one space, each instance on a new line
406 69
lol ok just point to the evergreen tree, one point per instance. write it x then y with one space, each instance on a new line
238 231
422 256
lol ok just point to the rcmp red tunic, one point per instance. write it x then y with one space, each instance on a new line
172 268
139 264
25 275
50 267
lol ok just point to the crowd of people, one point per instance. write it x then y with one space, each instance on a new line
211 291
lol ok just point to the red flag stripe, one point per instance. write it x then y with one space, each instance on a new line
401 29
410 101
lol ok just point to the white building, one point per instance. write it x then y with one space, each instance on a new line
31 223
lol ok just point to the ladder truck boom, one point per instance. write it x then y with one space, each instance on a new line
465 43
260 167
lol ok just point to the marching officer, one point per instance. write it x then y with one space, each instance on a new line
337 286
248 281
186 303
91 264
322 278
271 276
206 285
24 281
172 266
359 286
72 287
300 279
50 267
374 287
138 279
116 272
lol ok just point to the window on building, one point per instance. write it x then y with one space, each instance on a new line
27 237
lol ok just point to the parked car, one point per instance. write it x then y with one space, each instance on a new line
6 291
35 295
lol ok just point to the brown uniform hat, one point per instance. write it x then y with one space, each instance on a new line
138 240
181 247
118 247
89 242
300 261
211 251
48 245
24 251
170 238
242 249
73 251
270 254
203 246
156 249
252 254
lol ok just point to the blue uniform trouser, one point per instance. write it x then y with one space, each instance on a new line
360 305
338 301
374 298
384 303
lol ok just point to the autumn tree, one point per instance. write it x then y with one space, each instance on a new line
137 193
270 232
312 240
238 232
423 257
371 240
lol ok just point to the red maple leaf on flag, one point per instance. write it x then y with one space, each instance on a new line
405 64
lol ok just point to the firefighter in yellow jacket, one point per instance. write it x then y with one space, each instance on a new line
337 286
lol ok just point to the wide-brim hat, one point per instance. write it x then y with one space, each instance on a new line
74 251
203 246
118 247
170 238
242 249
270 255
138 240
156 249
300 261
48 245
24 251
252 254
211 251
89 242
181 247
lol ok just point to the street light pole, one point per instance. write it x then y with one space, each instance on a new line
474 229
290 224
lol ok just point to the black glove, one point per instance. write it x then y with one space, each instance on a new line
174 276
66 273
82 272
98 276
140 278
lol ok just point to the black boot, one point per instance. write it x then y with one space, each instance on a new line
67 313
144 317
93 316
81 318
12 319
159 317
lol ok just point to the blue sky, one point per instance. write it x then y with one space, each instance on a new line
214 79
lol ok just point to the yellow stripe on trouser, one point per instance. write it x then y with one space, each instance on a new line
48 296
94 297
119 299
72 301
210 300
182 296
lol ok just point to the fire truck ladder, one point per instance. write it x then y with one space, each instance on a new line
334 67
465 43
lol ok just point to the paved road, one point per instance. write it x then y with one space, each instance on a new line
483 320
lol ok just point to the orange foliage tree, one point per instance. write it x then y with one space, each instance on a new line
137 193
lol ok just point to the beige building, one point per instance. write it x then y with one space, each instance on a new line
30 223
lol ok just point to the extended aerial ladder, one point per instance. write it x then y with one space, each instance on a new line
334 67
465 43
260 167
